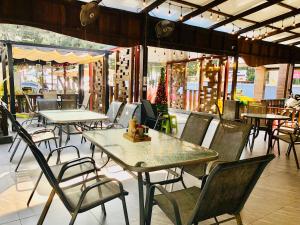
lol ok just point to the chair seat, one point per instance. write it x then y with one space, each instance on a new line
45 136
186 200
286 138
73 172
195 170
96 196
73 129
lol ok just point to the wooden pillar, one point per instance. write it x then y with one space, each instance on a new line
144 73
91 84
226 80
81 82
4 76
234 76
260 83
65 78
284 82
105 82
11 79
136 73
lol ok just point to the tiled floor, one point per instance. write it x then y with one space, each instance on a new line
275 199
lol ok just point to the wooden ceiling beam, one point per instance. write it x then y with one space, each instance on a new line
245 13
153 5
202 9
296 43
286 29
287 38
269 21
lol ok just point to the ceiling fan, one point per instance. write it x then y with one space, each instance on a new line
164 28
89 12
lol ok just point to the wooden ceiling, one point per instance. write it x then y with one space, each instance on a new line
122 28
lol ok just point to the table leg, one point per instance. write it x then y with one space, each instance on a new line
270 134
255 133
60 134
141 199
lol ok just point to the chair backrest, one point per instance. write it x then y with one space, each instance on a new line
195 128
228 187
114 110
47 104
230 139
148 108
38 155
231 110
127 114
257 107
31 109
86 100
68 101
50 95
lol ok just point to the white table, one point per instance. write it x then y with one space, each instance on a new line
67 117
162 152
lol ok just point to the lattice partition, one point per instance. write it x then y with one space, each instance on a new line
123 77
177 86
99 83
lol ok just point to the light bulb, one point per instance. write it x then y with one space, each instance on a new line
211 16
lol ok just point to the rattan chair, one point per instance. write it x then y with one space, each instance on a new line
80 196
47 104
229 141
225 191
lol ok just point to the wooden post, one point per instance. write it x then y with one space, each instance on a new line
145 59
201 79
91 85
284 81
234 76
11 79
3 60
131 76
259 83
81 82
136 73
105 83
226 80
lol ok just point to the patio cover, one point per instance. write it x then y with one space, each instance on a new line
48 56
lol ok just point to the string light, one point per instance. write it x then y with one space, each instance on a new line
181 53
155 50
201 15
211 15
294 22
181 17
282 27
266 33
253 38
144 3
239 36
246 37
157 8
174 53
232 32
218 18
259 37
169 9
164 52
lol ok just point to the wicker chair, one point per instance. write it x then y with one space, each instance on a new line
225 191
47 104
68 101
80 196
229 141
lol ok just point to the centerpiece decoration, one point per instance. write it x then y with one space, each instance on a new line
137 132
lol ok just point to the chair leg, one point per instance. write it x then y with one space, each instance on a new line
46 208
216 220
55 143
22 156
295 156
34 189
149 205
238 219
125 210
15 150
13 143
103 209
288 150
74 216
265 138
278 146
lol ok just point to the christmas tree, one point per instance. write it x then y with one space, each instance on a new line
161 99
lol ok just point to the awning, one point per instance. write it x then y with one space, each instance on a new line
48 56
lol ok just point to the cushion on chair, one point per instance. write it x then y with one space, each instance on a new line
45 136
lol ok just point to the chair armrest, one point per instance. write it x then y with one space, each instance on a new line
211 165
77 162
97 184
171 199
62 148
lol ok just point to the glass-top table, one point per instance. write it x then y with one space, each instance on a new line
65 117
162 152
270 118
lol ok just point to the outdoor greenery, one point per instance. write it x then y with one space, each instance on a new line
20 33
250 74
